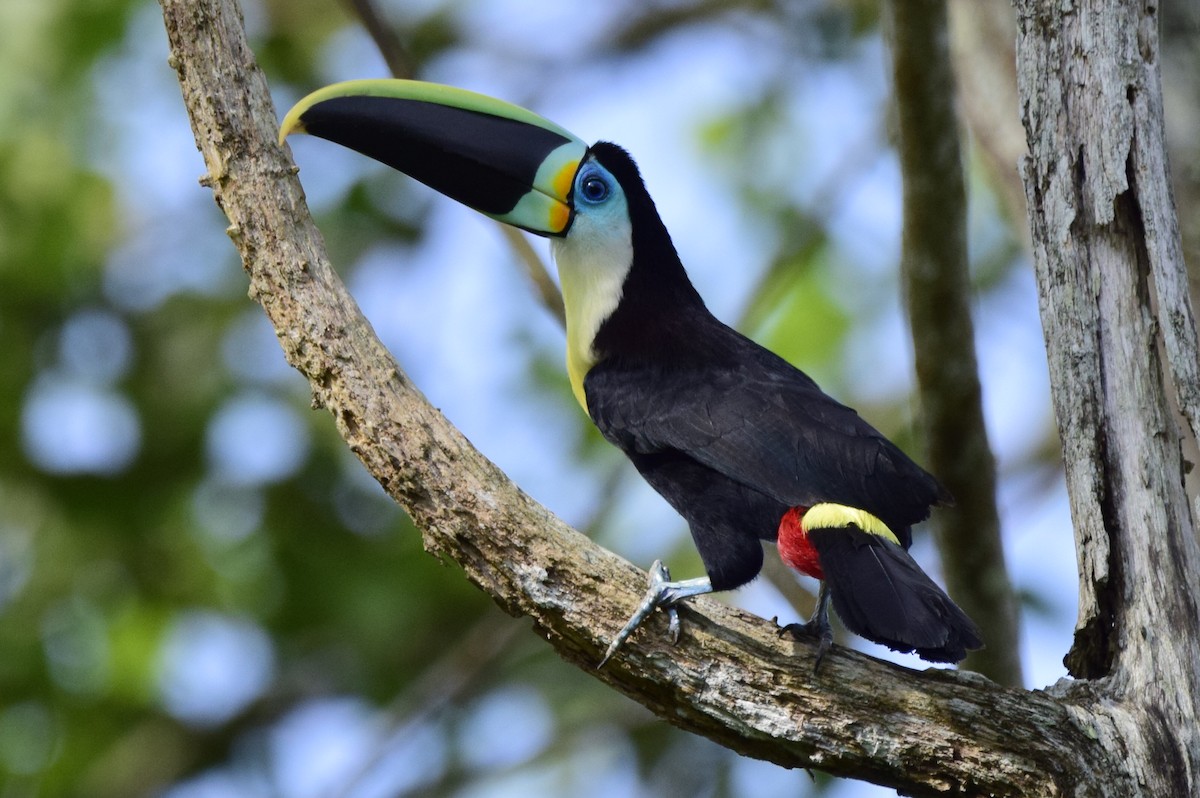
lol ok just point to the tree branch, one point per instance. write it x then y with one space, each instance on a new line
982 41
394 53
536 271
731 678
937 291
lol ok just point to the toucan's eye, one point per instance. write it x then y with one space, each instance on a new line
593 188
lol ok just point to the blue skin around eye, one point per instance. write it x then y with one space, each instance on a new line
593 188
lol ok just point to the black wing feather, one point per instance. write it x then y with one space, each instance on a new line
880 593
748 414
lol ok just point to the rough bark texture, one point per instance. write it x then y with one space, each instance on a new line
937 290
730 679
1121 341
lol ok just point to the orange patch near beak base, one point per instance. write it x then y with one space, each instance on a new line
562 181
561 184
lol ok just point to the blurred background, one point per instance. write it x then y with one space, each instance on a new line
202 593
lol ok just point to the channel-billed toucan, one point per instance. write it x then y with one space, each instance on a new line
742 444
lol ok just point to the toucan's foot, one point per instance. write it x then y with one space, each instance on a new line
809 630
662 592
817 626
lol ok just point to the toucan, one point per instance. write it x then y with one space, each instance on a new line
741 443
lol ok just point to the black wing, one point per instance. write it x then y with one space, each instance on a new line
751 416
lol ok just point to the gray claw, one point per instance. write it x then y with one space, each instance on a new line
817 626
661 592
673 627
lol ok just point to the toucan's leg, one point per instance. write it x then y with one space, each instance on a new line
817 626
661 593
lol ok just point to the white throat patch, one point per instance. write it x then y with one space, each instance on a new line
593 260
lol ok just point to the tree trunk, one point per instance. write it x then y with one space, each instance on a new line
731 678
1121 341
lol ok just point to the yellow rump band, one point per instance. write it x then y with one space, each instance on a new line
833 516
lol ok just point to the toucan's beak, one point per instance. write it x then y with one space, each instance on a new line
495 157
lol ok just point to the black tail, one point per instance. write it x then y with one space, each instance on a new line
880 593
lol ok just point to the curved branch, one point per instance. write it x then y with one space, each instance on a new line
731 679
